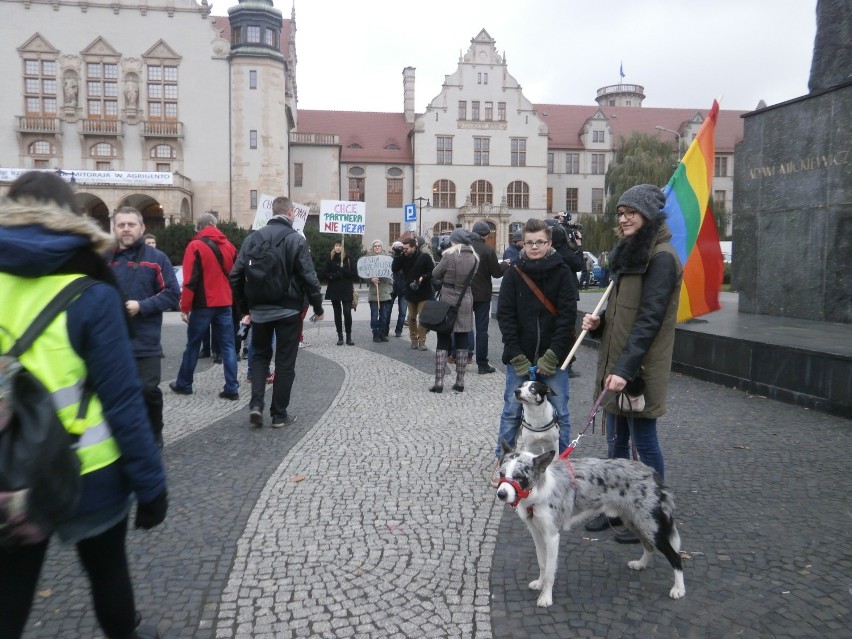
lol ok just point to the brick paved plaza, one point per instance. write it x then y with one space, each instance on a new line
372 515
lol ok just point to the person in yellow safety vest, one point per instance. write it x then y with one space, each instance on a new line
44 245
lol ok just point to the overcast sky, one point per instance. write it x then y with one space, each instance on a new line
684 52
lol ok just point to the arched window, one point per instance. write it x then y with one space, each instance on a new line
481 193
518 194
443 228
163 151
40 147
444 194
103 150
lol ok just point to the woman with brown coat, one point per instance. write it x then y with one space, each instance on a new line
637 328
455 268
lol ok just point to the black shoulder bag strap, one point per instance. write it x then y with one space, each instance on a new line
219 257
48 314
466 285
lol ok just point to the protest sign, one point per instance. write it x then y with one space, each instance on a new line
342 218
264 211
371 266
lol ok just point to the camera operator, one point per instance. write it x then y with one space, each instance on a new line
416 264
567 240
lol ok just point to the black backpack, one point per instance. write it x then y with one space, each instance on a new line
266 278
40 480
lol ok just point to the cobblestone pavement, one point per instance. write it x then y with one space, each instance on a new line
372 517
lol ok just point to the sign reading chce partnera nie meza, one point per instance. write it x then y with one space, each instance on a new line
342 218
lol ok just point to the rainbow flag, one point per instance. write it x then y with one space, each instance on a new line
690 216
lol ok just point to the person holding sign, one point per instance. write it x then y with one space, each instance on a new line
380 300
340 272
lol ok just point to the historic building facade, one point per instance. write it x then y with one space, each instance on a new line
167 108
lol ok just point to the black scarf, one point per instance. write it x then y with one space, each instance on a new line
635 252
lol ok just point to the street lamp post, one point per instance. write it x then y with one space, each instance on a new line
420 208
676 134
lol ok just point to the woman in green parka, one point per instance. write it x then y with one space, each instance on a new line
637 328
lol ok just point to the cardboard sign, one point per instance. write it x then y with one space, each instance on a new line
264 211
342 218
371 266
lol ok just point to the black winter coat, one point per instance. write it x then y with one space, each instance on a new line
340 278
527 326
413 267
489 266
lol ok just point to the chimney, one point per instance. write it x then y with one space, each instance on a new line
408 94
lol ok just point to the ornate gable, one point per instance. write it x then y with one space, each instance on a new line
482 50
100 47
38 44
162 51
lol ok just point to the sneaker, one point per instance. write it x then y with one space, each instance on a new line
178 390
487 369
495 475
286 421
422 345
256 417
302 345
414 344
397 334
231 396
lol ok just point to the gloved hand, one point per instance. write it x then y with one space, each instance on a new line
548 363
152 513
521 365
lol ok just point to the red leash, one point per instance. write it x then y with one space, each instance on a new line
592 414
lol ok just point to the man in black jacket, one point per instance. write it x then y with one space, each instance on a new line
481 288
282 317
536 317
416 265
148 283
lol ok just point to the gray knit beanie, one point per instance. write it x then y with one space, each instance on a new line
459 236
481 228
645 198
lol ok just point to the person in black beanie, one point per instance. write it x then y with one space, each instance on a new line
44 245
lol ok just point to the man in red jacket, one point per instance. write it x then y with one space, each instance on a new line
206 302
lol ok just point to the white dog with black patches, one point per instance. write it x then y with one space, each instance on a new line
539 426
554 496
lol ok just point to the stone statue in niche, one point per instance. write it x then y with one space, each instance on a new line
131 93
69 90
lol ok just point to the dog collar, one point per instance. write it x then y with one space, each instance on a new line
547 426
520 493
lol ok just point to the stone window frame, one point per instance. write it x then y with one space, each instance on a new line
444 194
39 76
444 149
481 151
481 192
518 195
162 71
519 151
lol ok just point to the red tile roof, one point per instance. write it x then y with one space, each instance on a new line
374 132
565 123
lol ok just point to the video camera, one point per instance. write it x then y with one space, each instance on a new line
571 228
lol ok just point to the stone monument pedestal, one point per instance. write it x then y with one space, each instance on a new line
792 222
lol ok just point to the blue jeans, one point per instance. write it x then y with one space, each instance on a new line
481 318
510 420
401 312
380 317
645 436
286 334
220 319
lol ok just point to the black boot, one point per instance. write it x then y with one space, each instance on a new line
349 341
340 339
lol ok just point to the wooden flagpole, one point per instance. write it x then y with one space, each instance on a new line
585 332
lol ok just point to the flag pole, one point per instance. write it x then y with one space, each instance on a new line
585 331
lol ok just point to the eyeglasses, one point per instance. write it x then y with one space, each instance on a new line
628 215
536 244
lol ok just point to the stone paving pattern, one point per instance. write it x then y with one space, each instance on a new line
372 516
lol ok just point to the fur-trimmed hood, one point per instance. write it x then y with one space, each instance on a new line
38 237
